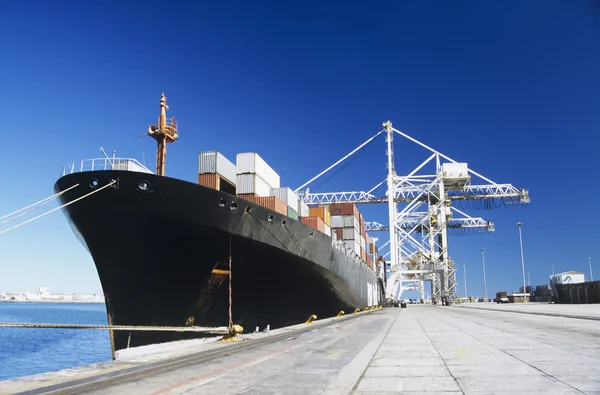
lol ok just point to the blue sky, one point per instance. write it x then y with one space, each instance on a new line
512 90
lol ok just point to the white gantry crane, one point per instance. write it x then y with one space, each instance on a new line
421 214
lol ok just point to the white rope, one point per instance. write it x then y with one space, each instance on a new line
215 330
40 203
57 208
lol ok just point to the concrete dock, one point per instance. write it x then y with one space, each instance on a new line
479 349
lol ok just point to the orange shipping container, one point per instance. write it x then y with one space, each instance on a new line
314 222
215 181
270 202
322 213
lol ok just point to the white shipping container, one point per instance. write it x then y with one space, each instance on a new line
337 221
327 230
251 162
350 221
287 196
353 245
351 234
363 244
304 210
214 162
251 183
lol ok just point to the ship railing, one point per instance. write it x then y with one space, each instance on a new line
127 164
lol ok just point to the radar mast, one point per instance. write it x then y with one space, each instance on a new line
165 131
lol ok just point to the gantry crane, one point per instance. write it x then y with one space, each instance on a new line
414 261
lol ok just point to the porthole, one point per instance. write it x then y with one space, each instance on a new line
94 183
283 222
233 206
270 218
311 235
144 185
222 202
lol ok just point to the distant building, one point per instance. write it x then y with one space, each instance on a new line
568 278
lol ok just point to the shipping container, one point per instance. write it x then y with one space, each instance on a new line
252 163
287 196
337 221
363 244
339 233
248 196
214 162
270 202
322 213
344 209
327 230
353 245
351 234
314 222
371 248
215 181
350 221
252 183
303 209
292 213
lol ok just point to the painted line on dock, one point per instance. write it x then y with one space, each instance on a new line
562 315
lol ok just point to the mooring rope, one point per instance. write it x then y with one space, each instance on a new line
215 330
230 298
58 208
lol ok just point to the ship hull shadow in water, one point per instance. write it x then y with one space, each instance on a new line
162 256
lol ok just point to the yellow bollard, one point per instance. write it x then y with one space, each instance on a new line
357 311
310 319
341 313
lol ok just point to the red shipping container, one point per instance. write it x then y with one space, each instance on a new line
339 233
314 222
344 209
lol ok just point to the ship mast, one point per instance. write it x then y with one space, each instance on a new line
165 131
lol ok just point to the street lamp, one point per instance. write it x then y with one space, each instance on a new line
465 278
591 274
484 280
519 224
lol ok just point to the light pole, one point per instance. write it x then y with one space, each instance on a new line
591 274
519 224
465 278
484 280
528 280
552 271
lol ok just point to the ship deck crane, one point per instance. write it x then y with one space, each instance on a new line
414 261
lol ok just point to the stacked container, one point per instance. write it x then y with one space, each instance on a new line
216 171
270 202
287 196
254 176
314 222
345 223
324 215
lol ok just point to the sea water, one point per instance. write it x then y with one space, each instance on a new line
27 351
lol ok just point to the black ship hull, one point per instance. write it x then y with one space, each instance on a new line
156 250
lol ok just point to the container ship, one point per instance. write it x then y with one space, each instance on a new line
166 249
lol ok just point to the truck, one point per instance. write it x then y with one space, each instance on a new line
501 297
